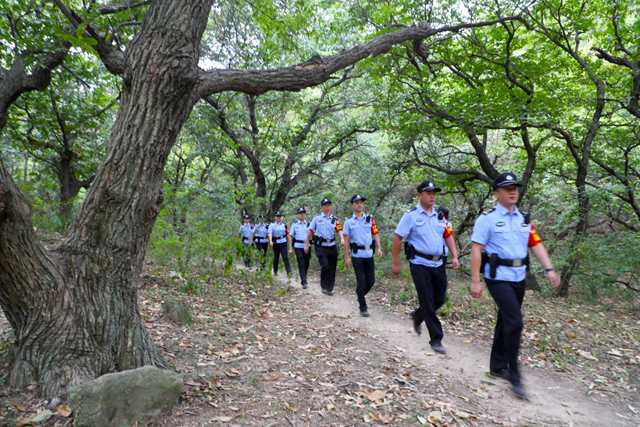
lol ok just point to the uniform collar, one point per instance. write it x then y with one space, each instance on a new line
364 215
421 210
304 221
504 211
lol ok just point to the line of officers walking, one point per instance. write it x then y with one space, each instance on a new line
501 240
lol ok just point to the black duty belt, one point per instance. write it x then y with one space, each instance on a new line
494 261
321 240
279 238
429 257
411 252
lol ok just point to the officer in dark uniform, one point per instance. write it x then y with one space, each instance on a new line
244 233
426 235
297 236
323 229
278 232
261 238
360 231
501 237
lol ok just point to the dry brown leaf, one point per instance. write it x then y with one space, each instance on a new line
184 345
273 378
330 407
64 411
213 385
326 384
18 407
292 408
233 408
221 419
22 421
376 395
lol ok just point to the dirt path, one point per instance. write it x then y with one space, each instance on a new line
553 400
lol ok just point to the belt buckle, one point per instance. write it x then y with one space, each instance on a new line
516 263
367 247
436 257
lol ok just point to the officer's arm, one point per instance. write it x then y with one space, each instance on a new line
476 262
270 238
397 240
376 237
540 252
453 250
346 247
308 239
290 240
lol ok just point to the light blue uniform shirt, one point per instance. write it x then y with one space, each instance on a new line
325 227
425 232
246 230
359 232
503 233
299 231
261 231
278 231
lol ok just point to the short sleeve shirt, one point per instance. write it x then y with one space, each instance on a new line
278 231
505 234
261 231
300 231
246 231
361 232
425 232
325 227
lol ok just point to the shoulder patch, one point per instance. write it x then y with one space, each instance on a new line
412 209
489 211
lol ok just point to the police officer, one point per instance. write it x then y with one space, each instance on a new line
359 232
278 232
244 233
297 236
500 239
442 213
426 235
261 238
323 228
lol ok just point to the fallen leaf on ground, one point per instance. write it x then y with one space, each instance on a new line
64 411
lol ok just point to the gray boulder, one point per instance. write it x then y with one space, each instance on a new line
177 311
124 398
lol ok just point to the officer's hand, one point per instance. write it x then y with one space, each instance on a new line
306 249
271 243
476 289
456 263
553 278
290 250
379 253
342 242
347 262
396 269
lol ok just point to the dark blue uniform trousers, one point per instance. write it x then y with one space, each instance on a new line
278 250
328 259
262 252
506 338
431 285
303 263
365 278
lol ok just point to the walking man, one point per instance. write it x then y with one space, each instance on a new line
245 232
261 238
426 236
360 232
500 242
278 233
323 228
297 237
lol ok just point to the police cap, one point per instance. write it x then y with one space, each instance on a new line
357 197
506 179
325 201
428 186
262 216
301 210
278 213
246 216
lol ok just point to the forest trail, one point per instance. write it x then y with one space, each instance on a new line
553 400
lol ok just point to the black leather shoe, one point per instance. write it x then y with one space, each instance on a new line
330 293
417 326
304 286
501 373
324 291
439 348
364 313
519 391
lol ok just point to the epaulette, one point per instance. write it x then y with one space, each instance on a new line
319 214
412 209
368 219
489 211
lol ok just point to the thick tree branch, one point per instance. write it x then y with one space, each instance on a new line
319 70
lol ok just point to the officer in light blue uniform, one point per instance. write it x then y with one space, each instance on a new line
297 237
501 238
261 238
278 232
323 229
244 233
360 232
425 235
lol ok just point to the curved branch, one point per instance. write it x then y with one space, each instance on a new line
318 69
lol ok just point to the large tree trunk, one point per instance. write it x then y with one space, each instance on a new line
74 309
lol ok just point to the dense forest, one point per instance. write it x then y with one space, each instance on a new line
145 129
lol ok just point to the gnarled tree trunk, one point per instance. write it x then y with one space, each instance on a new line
74 309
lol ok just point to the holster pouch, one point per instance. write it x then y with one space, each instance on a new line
354 247
315 240
409 251
493 265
